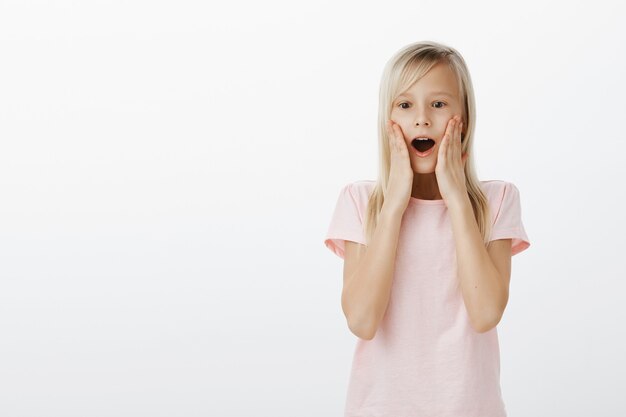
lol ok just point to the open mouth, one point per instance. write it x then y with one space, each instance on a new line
422 144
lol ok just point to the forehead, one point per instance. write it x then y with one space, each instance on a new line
408 93
439 80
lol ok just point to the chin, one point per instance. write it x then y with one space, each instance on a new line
423 167
424 171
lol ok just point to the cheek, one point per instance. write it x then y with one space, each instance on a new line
445 118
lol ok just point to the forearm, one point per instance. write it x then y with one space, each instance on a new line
367 296
484 293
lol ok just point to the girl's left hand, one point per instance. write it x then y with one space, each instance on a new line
450 169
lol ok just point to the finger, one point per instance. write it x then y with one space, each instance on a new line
461 136
450 128
398 141
391 134
399 137
457 136
446 135
443 148
392 140
452 138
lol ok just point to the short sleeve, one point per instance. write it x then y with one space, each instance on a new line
346 222
508 220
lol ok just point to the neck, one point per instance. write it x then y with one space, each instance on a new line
425 187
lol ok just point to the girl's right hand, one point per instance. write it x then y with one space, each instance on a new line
401 174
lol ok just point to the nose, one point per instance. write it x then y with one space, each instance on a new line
421 119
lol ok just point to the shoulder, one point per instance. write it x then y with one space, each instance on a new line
358 192
361 189
503 197
495 190
493 185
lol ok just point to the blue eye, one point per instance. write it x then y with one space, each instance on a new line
408 103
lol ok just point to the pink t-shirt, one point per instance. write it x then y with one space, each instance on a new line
426 359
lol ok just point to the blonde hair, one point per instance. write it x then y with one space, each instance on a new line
406 67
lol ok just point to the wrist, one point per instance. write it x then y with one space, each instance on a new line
460 202
391 212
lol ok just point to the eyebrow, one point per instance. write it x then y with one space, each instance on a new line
432 93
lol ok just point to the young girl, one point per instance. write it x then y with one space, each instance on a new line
427 251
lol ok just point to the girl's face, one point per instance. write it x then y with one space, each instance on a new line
424 111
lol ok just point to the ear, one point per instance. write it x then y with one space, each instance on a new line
464 157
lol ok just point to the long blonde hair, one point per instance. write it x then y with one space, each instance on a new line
405 68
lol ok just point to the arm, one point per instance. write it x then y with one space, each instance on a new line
366 290
484 275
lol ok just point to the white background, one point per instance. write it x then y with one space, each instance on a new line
168 171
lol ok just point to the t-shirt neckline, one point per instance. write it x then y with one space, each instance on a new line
419 201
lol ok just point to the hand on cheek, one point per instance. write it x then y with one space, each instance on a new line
450 169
